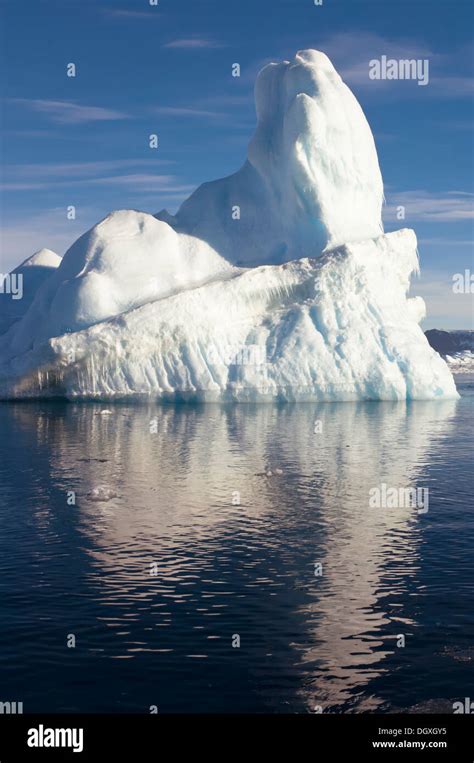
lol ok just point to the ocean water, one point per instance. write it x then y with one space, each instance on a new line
204 584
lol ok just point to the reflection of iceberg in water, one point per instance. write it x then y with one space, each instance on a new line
174 508
367 553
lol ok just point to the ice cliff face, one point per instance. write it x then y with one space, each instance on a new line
157 306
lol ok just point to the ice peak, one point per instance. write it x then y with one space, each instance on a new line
43 258
312 180
316 58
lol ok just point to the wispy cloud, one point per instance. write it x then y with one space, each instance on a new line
112 173
49 228
445 309
446 243
71 170
353 53
237 101
66 112
194 43
132 182
225 110
144 182
451 206
182 111
124 14
451 86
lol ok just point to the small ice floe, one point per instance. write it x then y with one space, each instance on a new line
101 493
271 473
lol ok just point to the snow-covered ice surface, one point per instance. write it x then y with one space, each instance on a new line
162 307
461 362
456 347
128 259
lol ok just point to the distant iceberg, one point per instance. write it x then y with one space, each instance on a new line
276 283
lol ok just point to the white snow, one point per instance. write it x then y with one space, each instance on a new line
145 306
128 259
44 258
461 362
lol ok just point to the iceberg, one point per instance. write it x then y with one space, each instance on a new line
276 283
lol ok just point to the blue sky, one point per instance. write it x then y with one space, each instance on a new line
83 141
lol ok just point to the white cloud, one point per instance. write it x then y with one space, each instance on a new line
182 111
194 43
124 14
352 51
66 112
43 170
50 229
445 309
30 177
446 243
451 206
218 118
144 182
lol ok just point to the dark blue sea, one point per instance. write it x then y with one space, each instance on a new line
226 558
